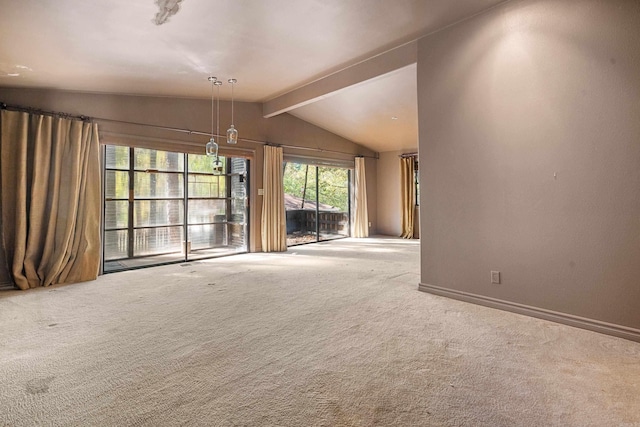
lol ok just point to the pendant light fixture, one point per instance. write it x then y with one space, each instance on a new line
217 163
212 146
232 132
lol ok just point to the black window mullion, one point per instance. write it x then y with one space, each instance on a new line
151 199
185 203
131 192
229 202
158 171
317 204
247 206
349 202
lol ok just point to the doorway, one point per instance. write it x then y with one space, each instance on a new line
317 202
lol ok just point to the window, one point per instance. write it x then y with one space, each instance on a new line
163 206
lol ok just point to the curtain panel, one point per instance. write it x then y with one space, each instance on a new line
408 195
274 229
50 202
360 217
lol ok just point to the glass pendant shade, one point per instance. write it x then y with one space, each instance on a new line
232 135
232 132
212 148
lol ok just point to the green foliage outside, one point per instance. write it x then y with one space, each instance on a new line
299 180
206 185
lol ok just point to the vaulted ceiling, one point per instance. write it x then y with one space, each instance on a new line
345 65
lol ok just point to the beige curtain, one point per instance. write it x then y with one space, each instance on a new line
360 217
50 176
408 195
274 229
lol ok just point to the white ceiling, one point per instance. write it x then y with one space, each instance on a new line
380 111
273 48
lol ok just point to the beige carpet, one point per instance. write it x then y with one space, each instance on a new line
332 334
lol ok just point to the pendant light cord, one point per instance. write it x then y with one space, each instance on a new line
212 84
232 82
218 111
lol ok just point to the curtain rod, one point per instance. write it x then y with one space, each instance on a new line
32 110
167 128
408 155
254 141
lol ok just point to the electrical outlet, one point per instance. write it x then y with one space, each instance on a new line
495 277
260 191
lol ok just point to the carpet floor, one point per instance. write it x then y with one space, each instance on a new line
330 334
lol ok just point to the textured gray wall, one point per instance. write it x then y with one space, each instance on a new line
389 201
530 156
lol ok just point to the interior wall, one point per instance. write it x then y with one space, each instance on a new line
531 161
389 201
195 115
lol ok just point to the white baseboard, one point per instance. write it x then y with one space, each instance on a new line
541 313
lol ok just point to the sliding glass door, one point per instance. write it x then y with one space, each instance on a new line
300 198
163 207
316 202
333 202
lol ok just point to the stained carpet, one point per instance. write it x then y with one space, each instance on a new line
331 334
